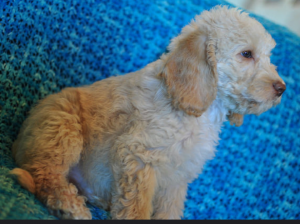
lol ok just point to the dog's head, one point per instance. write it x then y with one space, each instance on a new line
222 54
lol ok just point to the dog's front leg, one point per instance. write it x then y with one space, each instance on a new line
169 202
134 183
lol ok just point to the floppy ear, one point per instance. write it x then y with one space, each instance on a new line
236 119
190 72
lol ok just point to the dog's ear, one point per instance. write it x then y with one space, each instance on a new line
236 119
190 72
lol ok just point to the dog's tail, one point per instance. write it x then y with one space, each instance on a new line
24 178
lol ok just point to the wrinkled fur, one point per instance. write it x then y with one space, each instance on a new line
132 143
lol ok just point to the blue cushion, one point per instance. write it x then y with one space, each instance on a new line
47 45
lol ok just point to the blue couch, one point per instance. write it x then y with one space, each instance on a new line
47 45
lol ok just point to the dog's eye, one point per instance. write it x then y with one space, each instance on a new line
246 54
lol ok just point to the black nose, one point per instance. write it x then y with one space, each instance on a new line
279 87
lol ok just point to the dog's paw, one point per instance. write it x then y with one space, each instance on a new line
74 208
79 215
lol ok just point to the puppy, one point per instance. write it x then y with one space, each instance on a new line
131 144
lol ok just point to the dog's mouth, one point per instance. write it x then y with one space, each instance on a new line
257 107
248 104
254 106
243 102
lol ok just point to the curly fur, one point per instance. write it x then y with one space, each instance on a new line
132 143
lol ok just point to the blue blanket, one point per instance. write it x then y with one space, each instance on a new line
47 45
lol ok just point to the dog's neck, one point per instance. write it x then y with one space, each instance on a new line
216 112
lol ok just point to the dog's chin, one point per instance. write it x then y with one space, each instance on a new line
257 108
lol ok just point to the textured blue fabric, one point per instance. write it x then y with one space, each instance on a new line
46 45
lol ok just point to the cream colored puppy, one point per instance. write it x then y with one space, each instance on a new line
132 143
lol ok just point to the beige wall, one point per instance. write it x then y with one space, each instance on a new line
283 12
